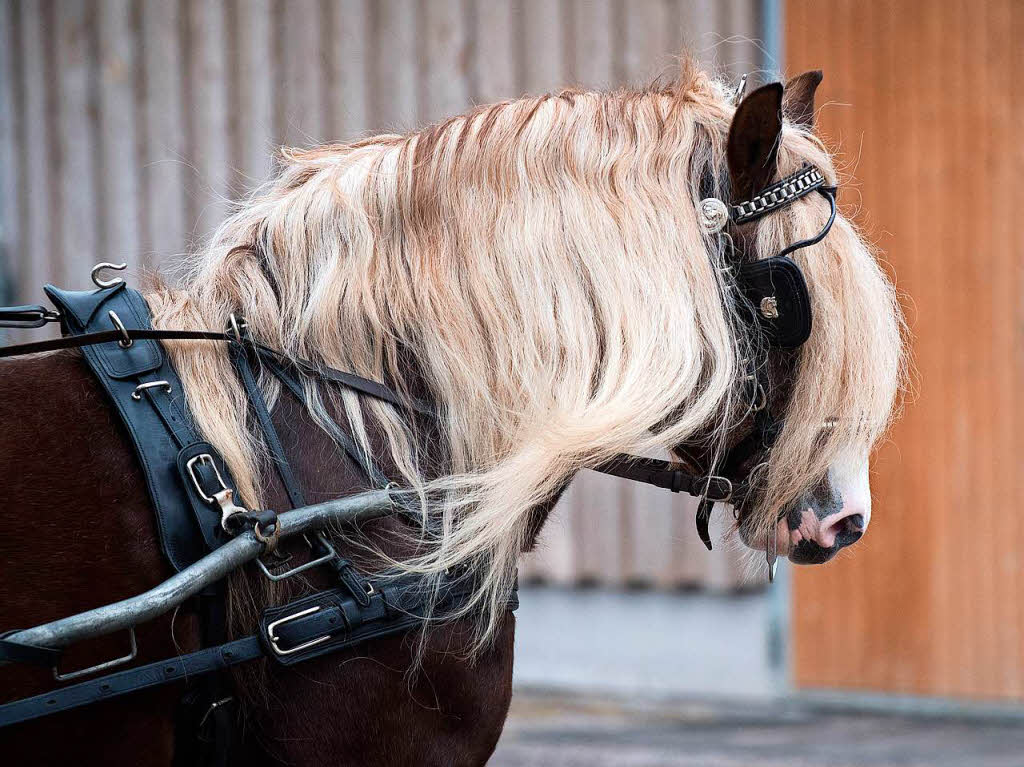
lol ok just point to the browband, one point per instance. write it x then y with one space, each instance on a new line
778 195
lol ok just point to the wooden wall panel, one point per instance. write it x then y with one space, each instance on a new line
133 123
920 98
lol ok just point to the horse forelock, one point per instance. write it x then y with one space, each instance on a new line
541 262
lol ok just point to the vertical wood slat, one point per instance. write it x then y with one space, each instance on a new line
178 104
393 29
77 136
254 92
165 152
443 61
302 86
935 603
11 135
493 76
348 77
120 175
209 152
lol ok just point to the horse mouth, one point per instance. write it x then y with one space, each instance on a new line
810 553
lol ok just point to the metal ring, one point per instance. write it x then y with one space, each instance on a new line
760 400
99 283
137 394
271 540
126 340
236 324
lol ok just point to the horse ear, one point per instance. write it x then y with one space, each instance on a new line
753 144
798 99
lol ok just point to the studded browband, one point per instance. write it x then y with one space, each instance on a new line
778 195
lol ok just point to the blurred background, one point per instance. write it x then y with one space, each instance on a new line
127 127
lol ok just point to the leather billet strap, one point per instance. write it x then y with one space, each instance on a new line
668 475
322 623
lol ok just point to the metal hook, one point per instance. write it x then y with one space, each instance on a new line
126 340
100 283
137 394
741 88
235 325
771 552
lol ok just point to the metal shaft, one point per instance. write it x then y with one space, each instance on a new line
193 579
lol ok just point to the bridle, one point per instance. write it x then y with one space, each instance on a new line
774 300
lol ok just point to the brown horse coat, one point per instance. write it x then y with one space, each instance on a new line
79 533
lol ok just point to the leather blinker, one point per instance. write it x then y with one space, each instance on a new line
779 301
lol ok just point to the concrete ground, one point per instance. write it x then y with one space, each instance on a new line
549 729
646 642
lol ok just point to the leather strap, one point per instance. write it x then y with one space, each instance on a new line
326 622
258 404
667 475
123 682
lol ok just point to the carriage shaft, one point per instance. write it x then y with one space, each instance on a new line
208 570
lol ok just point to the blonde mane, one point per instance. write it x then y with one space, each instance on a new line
541 261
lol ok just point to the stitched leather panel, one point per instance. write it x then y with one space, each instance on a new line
159 422
81 311
776 286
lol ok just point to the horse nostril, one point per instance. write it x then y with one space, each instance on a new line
847 530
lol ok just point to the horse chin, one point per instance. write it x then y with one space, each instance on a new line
811 553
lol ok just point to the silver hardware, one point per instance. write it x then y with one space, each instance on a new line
741 88
331 554
713 215
771 552
213 707
274 639
707 487
236 325
769 307
101 666
370 591
137 394
225 497
101 283
760 400
126 340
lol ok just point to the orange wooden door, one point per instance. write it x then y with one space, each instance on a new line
925 101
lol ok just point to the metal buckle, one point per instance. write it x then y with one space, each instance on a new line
224 498
723 482
101 666
273 639
331 554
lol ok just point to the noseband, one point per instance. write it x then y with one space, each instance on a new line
775 302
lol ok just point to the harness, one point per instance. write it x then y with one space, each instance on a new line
193 495
205 534
776 302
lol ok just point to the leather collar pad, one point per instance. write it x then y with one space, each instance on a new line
779 301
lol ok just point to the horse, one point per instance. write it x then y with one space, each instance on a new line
539 269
